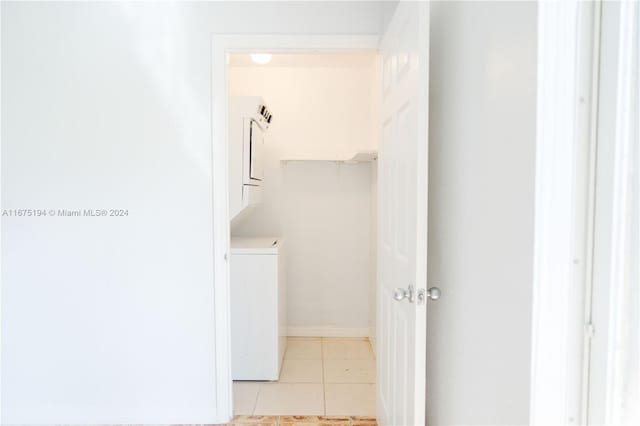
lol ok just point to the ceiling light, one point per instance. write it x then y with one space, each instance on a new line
261 58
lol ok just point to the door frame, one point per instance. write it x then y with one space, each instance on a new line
567 106
586 54
615 244
221 46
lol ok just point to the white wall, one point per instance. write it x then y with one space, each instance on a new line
373 255
481 194
107 105
376 84
323 108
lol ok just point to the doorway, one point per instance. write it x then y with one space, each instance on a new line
302 325
402 177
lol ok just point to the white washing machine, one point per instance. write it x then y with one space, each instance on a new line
258 308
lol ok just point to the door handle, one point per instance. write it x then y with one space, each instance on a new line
400 294
434 293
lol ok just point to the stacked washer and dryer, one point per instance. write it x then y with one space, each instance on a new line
258 285
249 120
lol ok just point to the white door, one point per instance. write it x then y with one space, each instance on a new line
402 245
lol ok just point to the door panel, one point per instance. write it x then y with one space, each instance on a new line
402 217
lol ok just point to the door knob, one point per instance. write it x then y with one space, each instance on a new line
400 294
434 293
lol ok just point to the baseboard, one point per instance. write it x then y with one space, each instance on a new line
328 332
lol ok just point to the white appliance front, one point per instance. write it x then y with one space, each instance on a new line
253 168
258 308
249 119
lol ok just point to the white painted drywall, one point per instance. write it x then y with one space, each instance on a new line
481 197
388 9
373 254
324 109
107 105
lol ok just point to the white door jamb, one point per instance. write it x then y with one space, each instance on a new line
221 46
568 43
565 146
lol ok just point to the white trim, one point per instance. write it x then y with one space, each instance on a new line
626 138
372 338
588 241
562 258
221 45
1 275
613 380
328 332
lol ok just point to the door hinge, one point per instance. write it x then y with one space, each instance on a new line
589 330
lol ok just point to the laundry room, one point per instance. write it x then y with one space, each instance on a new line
302 174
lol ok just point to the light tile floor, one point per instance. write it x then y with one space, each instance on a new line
301 421
319 377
